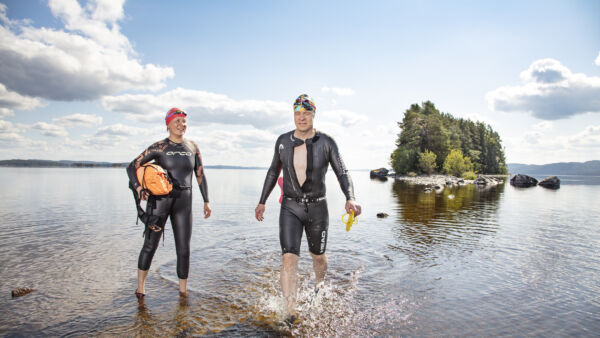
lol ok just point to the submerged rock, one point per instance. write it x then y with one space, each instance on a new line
18 292
523 181
551 182
382 215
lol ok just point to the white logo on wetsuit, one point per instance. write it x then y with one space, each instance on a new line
280 148
182 153
323 236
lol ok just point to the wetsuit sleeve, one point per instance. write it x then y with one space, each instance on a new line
145 157
335 159
200 176
272 176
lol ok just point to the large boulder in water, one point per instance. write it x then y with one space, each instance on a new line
380 173
523 181
551 182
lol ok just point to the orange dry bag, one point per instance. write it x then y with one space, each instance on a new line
154 179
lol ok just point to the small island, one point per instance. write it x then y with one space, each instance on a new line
433 142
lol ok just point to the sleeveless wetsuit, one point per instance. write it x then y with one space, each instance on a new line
181 161
305 206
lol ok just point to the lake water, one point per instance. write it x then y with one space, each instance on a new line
464 262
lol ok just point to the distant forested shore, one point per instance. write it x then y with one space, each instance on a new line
89 164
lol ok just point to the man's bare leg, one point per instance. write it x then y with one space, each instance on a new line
320 266
289 277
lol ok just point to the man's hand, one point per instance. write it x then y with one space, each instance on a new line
207 210
352 205
142 194
259 211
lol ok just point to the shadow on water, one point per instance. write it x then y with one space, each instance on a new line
439 223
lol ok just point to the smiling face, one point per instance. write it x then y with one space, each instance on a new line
177 126
304 120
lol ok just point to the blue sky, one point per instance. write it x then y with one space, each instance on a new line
92 80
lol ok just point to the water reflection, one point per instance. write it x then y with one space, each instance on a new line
434 223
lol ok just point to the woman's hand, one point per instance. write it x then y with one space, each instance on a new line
207 210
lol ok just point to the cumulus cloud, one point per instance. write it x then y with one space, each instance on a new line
10 100
202 107
5 126
338 91
50 129
550 91
597 61
78 120
88 59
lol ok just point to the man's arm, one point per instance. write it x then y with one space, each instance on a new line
335 159
272 176
270 181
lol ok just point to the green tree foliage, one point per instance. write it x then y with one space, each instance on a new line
424 128
404 160
455 164
427 162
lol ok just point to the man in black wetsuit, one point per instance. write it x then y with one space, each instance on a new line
304 155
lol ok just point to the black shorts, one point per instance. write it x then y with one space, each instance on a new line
295 216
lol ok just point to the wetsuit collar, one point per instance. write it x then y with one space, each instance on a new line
298 142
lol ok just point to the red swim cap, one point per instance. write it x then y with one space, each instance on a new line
173 113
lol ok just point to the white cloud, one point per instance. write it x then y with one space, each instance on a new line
5 126
590 137
535 147
544 125
88 59
119 129
338 91
550 91
342 117
77 120
50 129
597 61
201 107
6 112
15 145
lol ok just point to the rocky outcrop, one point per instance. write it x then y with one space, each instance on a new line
380 174
551 182
485 181
523 181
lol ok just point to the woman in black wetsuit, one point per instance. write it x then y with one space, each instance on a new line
181 159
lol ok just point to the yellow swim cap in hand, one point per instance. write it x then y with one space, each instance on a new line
350 221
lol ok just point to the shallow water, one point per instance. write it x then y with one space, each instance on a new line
502 261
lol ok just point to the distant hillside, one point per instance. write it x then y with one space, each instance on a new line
88 164
589 168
